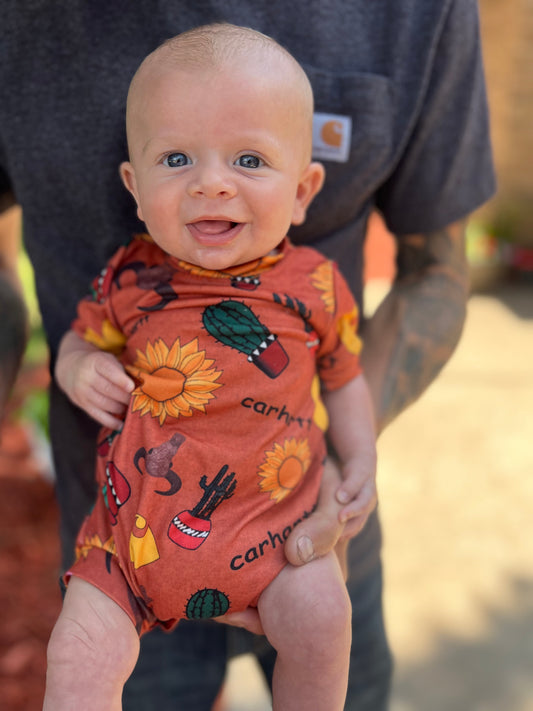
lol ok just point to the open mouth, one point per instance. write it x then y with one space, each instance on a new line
214 226
214 231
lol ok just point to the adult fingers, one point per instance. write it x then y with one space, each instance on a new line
248 619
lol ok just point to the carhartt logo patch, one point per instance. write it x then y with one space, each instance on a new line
332 137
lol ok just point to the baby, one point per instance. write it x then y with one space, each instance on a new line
216 355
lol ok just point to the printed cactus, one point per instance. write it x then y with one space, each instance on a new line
295 305
222 487
189 529
234 324
205 603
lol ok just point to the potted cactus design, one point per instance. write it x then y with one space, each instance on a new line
101 285
116 491
246 283
234 324
189 529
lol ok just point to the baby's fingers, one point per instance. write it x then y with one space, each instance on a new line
362 505
113 382
105 411
108 393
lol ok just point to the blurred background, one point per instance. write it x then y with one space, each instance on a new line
456 505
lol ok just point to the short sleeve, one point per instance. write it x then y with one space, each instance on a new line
95 321
446 168
338 354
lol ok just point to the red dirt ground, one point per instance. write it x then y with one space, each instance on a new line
29 560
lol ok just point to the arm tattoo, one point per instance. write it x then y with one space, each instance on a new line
427 308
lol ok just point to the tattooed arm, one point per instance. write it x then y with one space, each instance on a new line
407 341
415 329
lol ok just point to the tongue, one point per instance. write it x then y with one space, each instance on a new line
213 227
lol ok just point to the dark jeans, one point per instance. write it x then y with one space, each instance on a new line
185 669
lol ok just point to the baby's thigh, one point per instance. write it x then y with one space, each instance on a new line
305 604
94 630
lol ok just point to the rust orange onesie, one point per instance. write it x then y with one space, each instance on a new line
222 447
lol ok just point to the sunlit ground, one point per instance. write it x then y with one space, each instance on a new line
456 490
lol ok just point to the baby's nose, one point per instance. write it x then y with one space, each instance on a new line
212 181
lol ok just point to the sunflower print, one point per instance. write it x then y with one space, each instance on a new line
110 339
284 467
320 415
84 548
347 330
322 279
173 382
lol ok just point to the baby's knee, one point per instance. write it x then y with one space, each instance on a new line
331 617
312 608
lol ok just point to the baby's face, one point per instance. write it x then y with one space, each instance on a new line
219 163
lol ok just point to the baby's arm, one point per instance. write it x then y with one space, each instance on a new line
352 433
93 379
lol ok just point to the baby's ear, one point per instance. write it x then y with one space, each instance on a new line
127 173
310 184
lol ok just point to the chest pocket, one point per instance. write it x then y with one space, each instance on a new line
366 102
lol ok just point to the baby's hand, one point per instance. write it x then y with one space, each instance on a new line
96 382
357 493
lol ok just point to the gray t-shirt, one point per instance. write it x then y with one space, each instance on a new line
401 118
408 76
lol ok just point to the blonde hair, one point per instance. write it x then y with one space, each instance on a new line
215 46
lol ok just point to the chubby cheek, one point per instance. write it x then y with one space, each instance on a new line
276 210
158 210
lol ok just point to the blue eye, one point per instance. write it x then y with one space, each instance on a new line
176 160
249 161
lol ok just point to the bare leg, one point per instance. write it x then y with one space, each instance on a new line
306 614
92 651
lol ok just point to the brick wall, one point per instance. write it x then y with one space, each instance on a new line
507 31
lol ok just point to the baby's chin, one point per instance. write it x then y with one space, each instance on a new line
221 259
215 260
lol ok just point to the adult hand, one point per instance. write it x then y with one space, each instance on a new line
323 529
247 619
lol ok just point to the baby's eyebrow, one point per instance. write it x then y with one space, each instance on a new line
163 144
